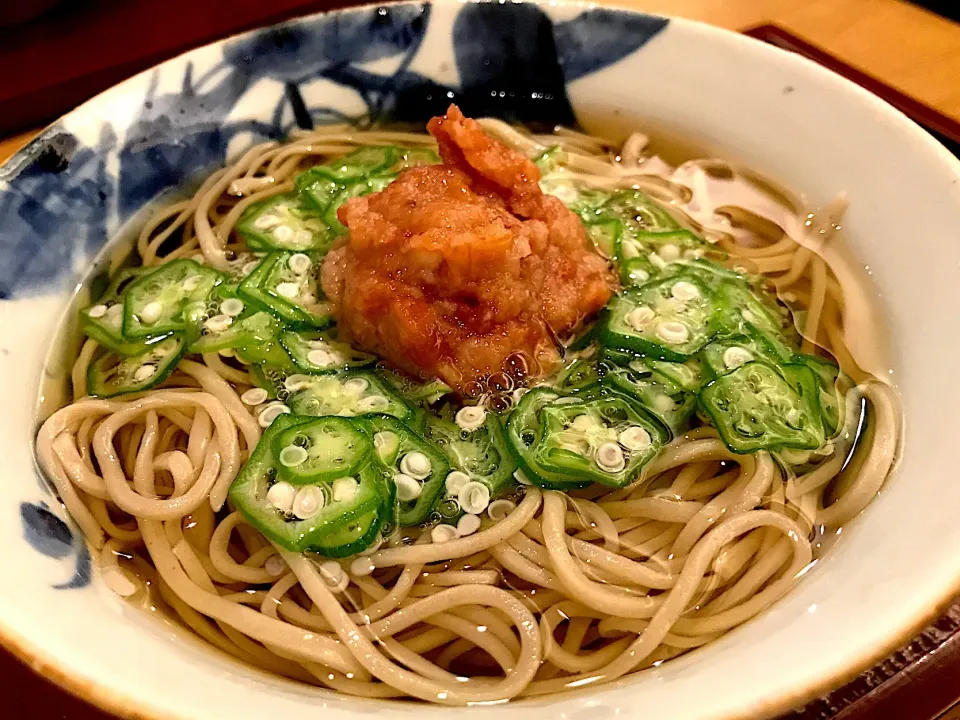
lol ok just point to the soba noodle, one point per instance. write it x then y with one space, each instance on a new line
555 591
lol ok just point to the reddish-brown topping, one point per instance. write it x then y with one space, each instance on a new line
453 268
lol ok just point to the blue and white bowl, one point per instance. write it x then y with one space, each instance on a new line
88 174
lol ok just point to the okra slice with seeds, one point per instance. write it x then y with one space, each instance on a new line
172 298
288 284
349 394
755 407
285 222
481 452
232 322
414 390
322 449
103 321
320 352
415 465
524 430
604 437
333 519
114 374
670 319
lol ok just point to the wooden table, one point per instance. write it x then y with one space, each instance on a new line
900 44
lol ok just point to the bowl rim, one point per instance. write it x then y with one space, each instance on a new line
124 704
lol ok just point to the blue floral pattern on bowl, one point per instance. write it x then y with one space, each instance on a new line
65 195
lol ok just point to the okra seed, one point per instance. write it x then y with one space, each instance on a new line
293 455
281 496
407 487
499 509
455 482
320 358
144 372
609 457
295 382
275 565
416 465
232 307
303 238
735 356
283 233
684 291
97 311
583 423
308 502
345 489
373 403
271 413
151 312
467 525
470 417
299 263
658 262
634 438
673 332
669 252
191 283
640 317
639 276
218 323
663 403
474 497
385 441
114 313
443 533
288 289
249 267
355 386
266 222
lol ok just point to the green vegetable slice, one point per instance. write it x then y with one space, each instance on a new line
833 386
360 163
115 374
322 449
103 321
233 323
285 222
393 441
669 319
413 390
741 307
603 437
726 354
349 394
349 519
662 397
172 298
482 454
288 284
577 376
524 429
756 408
320 352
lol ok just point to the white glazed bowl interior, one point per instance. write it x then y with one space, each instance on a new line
779 114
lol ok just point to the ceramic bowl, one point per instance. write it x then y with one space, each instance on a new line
87 175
